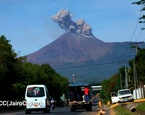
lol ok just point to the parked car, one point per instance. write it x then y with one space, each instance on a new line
123 95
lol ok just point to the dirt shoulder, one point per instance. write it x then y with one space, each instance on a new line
112 112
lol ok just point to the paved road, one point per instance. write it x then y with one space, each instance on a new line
62 111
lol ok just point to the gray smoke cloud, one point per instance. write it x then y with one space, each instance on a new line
63 18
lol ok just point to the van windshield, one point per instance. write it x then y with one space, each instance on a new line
35 92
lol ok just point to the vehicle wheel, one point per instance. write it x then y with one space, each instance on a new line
27 112
73 109
47 110
44 111
89 107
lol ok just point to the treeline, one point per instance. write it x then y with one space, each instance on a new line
135 72
16 74
135 76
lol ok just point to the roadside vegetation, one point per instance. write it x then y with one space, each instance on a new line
141 107
117 81
16 74
135 72
119 110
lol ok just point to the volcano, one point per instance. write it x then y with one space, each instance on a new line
89 58
71 48
78 52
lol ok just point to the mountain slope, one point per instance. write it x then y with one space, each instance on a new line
71 48
87 57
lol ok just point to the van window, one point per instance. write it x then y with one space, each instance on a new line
35 92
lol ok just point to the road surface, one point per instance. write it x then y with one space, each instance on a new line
62 111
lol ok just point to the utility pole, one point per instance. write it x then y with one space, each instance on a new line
74 78
120 81
126 79
134 68
135 79
135 44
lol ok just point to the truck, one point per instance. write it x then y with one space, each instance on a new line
123 95
76 97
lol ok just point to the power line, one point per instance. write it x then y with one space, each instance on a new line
140 32
136 24
135 29
136 45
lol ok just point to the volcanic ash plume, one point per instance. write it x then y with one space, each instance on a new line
63 18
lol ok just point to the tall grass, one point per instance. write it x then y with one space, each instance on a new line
120 110
141 106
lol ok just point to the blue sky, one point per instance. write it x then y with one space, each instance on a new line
28 23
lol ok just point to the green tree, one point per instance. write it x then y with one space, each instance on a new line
7 67
106 90
40 74
16 74
141 18
139 64
113 84
58 84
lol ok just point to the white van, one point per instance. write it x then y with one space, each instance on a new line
37 99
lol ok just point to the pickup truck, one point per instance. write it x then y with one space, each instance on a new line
123 95
76 99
